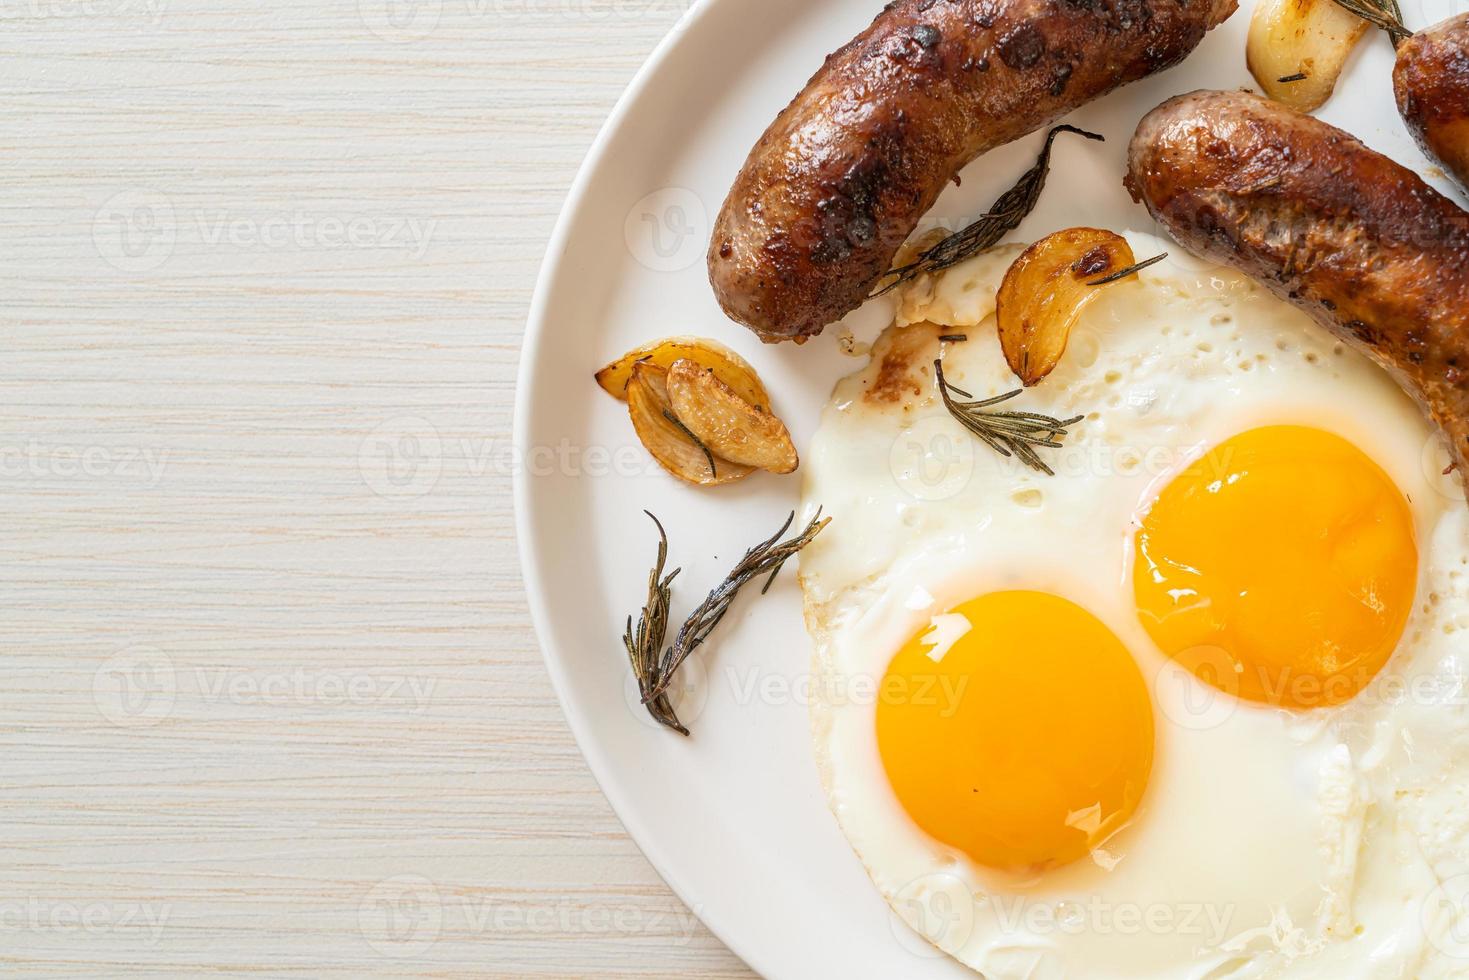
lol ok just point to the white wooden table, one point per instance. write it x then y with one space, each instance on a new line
270 704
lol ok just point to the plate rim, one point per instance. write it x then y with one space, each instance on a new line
531 572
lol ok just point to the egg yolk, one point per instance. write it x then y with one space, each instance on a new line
1017 730
1280 568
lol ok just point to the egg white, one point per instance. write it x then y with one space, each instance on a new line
1268 843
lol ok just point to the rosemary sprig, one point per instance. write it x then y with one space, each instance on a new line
1299 76
1386 14
694 439
644 643
1017 434
1006 214
1133 269
764 560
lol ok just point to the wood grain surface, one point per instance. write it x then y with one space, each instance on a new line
272 706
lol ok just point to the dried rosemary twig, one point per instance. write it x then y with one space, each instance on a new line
1299 76
1129 271
1003 217
1386 14
646 641
1016 434
764 560
678 423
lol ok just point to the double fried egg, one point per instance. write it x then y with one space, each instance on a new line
1193 706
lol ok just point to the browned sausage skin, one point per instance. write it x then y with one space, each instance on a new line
1359 242
1431 81
843 175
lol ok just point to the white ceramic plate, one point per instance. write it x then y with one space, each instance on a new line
734 817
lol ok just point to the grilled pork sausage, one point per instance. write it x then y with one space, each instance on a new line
1431 81
1362 244
843 175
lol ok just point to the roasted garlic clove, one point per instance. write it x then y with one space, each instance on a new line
1290 39
730 367
663 435
1045 291
729 425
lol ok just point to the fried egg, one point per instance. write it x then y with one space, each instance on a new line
1193 706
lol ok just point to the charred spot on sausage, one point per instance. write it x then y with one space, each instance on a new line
1058 83
927 36
1022 47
